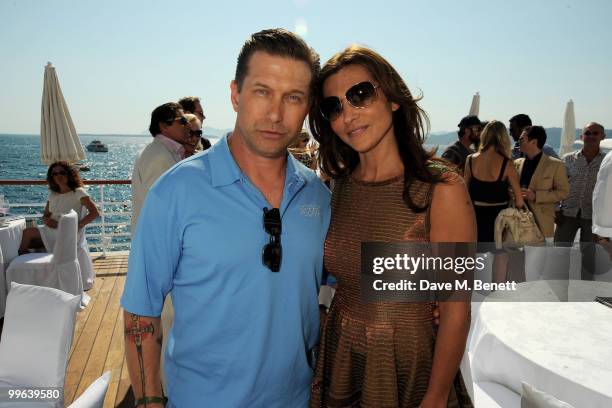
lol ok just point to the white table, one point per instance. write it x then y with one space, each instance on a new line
10 238
562 348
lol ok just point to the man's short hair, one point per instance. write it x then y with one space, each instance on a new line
188 103
466 122
522 120
163 113
538 133
596 124
278 42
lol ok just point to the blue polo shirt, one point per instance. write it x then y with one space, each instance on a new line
241 334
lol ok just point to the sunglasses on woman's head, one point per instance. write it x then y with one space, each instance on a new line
358 96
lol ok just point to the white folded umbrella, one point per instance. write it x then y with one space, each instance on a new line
568 135
58 137
475 107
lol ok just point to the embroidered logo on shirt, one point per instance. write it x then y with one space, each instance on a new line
310 210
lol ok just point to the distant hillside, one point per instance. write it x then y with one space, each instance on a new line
553 137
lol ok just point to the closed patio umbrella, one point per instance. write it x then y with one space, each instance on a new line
568 135
58 137
475 108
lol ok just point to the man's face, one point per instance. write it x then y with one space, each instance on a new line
177 129
515 131
474 134
592 135
272 104
525 144
199 112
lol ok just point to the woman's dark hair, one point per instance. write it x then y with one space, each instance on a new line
74 180
410 123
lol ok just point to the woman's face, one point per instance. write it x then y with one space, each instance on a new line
366 128
60 175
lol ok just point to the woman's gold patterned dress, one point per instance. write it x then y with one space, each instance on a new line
374 354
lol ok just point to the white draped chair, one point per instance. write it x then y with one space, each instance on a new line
83 256
85 263
552 263
93 396
59 269
36 338
604 265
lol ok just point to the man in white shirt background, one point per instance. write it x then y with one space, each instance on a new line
170 130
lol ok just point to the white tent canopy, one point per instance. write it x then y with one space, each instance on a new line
568 135
58 137
475 107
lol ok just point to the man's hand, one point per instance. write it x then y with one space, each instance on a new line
528 194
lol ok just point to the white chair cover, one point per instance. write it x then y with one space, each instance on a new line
49 237
84 258
93 396
3 289
58 270
552 263
604 265
37 335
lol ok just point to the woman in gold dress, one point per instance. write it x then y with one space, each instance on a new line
387 188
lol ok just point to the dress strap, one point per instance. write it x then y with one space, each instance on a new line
503 168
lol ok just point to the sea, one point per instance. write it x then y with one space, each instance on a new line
20 159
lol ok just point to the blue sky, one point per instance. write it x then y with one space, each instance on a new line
117 60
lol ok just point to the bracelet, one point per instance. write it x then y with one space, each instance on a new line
150 400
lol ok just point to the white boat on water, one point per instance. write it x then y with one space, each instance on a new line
97 146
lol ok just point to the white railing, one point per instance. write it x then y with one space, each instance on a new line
103 234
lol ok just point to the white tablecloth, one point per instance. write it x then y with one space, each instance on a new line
10 238
562 348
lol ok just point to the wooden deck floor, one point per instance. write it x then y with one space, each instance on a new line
98 337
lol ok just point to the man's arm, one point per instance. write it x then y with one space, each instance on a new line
560 189
143 341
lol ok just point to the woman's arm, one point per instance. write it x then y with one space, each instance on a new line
46 218
513 179
452 220
92 211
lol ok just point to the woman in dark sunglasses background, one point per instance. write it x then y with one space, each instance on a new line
66 193
387 188
193 144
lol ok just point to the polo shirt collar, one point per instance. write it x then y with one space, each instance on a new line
224 169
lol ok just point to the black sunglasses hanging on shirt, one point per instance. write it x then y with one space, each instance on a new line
272 252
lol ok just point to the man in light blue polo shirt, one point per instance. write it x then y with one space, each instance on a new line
236 236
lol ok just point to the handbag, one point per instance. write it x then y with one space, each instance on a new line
516 227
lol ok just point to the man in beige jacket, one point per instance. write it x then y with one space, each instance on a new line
543 179
170 130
